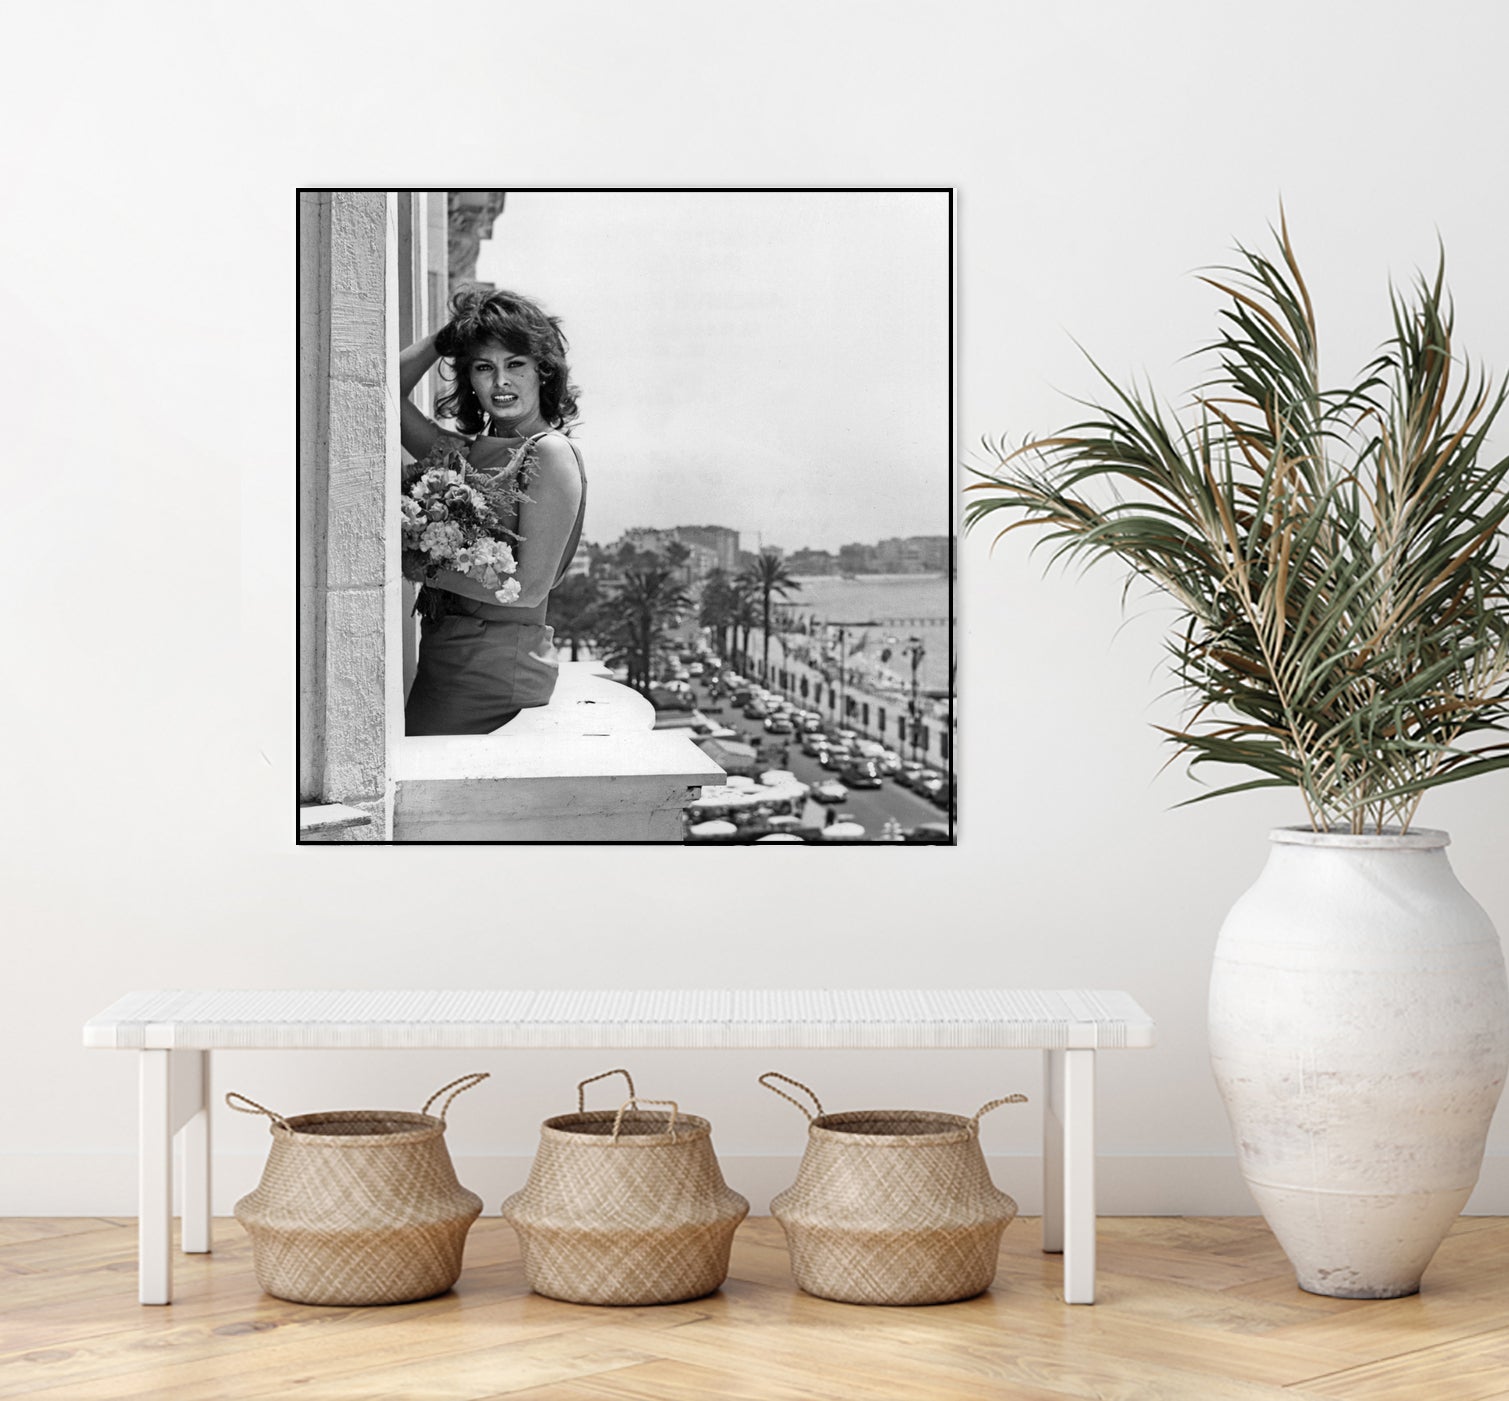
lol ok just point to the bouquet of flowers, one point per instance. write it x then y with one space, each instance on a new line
448 523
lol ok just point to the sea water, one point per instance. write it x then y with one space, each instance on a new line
899 606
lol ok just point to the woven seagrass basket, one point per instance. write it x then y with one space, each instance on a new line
892 1206
358 1206
625 1207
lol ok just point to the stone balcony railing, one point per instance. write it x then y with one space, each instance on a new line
588 767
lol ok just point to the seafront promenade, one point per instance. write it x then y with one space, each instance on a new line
880 611
850 695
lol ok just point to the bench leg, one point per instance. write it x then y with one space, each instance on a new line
174 1097
1053 1153
155 1179
191 1069
1069 1168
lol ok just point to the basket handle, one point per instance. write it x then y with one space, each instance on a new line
618 1118
457 1087
581 1090
994 1104
770 1075
256 1108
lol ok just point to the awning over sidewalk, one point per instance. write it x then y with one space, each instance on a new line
730 755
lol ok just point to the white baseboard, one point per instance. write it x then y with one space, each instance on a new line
104 1184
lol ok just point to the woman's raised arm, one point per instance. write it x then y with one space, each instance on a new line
416 431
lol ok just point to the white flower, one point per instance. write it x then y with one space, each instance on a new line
441 539
508 592
496 555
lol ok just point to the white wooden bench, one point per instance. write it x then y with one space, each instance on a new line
175 1034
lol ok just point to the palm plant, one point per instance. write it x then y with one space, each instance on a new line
1337 555
768 576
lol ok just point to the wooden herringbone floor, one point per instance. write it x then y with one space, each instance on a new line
1189 1310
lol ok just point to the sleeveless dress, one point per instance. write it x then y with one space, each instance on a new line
481 663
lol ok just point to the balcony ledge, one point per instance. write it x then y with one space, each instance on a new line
320 821
587 767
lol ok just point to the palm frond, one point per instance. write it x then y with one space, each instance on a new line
1337 554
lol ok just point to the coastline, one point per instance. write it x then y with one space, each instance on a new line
921 577
879 612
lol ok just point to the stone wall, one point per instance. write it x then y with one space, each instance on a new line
314 447
471 215
350 697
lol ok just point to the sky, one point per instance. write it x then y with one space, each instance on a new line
775 362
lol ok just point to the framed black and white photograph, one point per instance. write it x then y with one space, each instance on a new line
626 515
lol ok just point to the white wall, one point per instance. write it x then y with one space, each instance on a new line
1101 152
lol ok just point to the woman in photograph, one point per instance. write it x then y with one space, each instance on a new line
482 661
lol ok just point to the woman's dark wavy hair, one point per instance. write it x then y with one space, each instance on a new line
522 328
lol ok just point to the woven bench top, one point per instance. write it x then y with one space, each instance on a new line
993 1018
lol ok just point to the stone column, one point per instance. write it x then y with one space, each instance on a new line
314 448
351 702
415 321
472 214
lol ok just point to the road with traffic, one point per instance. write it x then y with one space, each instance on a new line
871 807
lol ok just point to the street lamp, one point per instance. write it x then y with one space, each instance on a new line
843 661
915 651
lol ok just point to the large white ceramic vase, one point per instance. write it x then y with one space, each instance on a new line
1359 1031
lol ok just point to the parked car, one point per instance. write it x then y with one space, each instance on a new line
836 757
814 744
943 795
909 774
936 832
890 762
862 775
830 790
755 711
931 786
778 725
663 698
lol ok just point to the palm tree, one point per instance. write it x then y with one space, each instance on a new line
716 607
766 577
743 618
573 609
639 617
676 554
